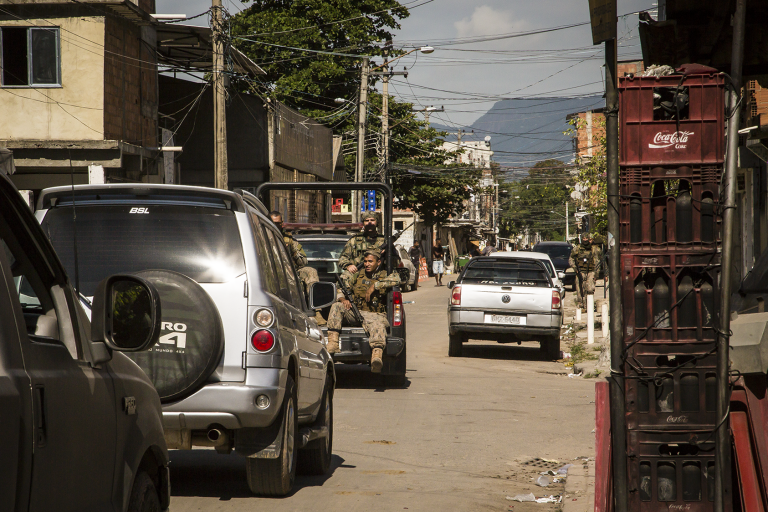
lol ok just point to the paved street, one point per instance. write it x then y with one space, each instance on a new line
457 437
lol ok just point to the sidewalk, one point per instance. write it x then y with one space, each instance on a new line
579 493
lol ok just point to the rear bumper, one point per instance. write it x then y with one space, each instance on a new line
230 404
470 320
516 331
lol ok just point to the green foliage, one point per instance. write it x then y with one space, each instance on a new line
529 202
592 174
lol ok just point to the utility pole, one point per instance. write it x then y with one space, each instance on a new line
723 491
385 114
362 109
567 235
221 172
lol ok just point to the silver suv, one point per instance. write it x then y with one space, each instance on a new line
241 363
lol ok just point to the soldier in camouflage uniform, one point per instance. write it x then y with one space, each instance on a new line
584 260
307 274
351 258
369 287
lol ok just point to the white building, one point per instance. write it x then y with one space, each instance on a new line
476 152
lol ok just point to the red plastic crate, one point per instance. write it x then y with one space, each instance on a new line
652 219
691 278
670 391
671 470
699 139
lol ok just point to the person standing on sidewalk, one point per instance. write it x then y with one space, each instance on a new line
415 254
584 260
438 265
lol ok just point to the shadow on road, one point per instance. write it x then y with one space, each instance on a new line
505 352
359 376
205 473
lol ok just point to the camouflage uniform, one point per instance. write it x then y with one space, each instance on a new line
307 274
354 251
585 259
374 312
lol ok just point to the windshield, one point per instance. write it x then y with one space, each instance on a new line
323 249
201 243
554 251
508 273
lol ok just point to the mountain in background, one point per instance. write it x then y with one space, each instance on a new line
525 131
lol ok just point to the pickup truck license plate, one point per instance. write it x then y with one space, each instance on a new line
504 319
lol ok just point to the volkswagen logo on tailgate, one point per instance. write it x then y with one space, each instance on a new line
505 299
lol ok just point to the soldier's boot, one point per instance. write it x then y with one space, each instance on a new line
320 320
376 362
333 342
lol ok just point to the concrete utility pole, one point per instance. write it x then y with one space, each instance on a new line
220 165
567 234
362 109
723 491
385 115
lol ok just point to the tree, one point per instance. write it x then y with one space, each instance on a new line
592 175
531 201
271 31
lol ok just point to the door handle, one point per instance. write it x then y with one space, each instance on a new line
39 397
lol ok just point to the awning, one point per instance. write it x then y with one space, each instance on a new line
189 47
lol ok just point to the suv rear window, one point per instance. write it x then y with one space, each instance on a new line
201 243
554 251
507 273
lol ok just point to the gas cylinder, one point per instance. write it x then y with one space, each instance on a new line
641 306
686 310
707 304
661 303
635 219
666 488
683 213
659 213
707 220
689 392
692 481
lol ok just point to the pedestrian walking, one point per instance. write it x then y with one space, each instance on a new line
415 254
438 265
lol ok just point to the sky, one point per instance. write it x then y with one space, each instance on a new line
466 76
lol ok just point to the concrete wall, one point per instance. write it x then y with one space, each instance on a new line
73 111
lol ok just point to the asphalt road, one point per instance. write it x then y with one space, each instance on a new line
456 437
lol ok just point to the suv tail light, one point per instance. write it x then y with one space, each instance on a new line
456 295
263 340
555 300
397 314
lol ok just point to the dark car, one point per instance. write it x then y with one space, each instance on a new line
559 252
80 423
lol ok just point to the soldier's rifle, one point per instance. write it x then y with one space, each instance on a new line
351 298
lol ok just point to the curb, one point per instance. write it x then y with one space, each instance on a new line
579 495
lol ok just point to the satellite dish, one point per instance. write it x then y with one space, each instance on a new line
580 187
487 138
576 195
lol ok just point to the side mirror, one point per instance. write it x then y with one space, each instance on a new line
451 284
561 275
321 294
126 313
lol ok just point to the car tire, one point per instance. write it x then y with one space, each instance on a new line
398 379
275 477
455 345
315 459
144 496
415 285
552 347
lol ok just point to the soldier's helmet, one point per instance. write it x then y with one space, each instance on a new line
372 252
367 215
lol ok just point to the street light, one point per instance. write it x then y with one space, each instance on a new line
567 234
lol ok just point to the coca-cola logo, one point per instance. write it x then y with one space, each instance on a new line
677 419
687 506
666 140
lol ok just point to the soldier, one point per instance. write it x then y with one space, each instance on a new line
584 260
307 274
351 258
369 287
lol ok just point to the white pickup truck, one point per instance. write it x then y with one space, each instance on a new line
505 298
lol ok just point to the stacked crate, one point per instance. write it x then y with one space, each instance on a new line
671 158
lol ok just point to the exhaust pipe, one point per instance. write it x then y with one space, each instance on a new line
214 438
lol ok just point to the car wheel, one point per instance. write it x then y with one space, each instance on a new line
398 379
415 285
315 459
455 342
275 477
552 347
144 496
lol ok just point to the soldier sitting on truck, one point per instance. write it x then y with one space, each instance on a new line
351 258
307 274
369 290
